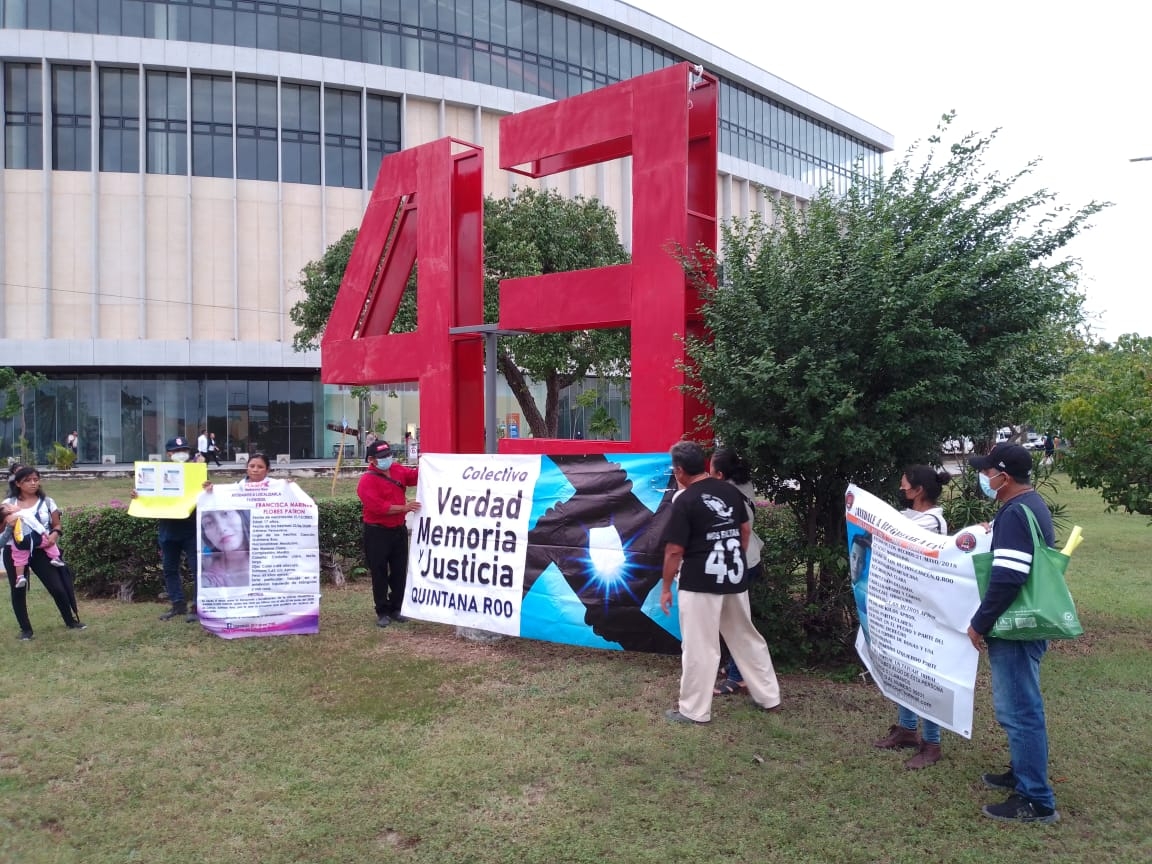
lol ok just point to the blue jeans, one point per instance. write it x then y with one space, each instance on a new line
1019 710
170 558
909 720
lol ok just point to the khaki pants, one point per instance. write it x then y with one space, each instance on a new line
703 619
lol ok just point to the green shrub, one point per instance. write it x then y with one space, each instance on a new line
113 554
61 457
798 634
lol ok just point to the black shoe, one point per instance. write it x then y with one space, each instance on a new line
25 635
176 611
1019 809
398 618
191 618
383 621
1007 780
76 625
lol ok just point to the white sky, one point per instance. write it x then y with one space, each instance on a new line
1069 83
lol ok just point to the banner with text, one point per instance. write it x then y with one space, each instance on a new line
915 594
562 548
259 572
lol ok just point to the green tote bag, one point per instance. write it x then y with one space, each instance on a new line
1043 609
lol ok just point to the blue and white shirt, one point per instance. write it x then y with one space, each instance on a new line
1012 551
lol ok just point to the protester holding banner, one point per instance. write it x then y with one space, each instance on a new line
177 537
27 495
256 474
706 535
1016 697
920 489
728 465
383 492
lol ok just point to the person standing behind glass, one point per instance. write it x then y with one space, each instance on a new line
920 489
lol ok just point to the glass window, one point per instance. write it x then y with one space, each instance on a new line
119 120
211 126
499 22
256 129
300 133
62 18
167 122
342 138
23 116
464 17
481 20
85 21
71 118
383 115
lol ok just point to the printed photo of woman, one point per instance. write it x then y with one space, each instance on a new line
224 560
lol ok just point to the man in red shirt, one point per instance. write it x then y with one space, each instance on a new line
382 491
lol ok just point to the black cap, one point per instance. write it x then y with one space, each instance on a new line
1012 459
178 443
377 449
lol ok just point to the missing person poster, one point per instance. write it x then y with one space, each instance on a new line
915 593
561 548
166 490
259 569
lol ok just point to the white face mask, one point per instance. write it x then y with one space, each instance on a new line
385 463
180 456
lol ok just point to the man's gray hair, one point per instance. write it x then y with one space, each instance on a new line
688 456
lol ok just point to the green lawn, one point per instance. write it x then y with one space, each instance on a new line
142 741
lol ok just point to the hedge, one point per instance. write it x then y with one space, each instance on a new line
113 554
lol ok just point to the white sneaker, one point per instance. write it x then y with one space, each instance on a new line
21 581
57 562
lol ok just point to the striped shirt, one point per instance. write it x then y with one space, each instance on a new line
1011 555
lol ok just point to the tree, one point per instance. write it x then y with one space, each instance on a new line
1107 416
15 389
527 234
855 333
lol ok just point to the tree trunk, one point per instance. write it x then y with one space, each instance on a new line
523 393
554 384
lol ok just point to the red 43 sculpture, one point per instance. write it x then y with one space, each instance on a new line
428 206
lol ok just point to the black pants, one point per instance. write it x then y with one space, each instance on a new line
387 552
53 579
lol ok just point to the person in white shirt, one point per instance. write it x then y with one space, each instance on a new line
920 489
202 445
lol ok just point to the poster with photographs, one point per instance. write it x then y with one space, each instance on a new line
259 568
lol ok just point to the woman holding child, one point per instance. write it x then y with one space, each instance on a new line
26 511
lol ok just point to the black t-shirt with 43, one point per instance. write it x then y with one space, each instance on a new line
706 520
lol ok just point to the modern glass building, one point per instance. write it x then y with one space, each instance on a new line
171 165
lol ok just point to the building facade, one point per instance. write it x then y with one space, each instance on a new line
171 165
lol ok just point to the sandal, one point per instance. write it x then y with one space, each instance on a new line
730 688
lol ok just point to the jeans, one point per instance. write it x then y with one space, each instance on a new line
170 558
909 720
1019 710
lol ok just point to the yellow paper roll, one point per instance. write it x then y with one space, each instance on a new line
1074 540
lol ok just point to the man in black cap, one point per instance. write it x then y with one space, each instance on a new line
383 493
1016 698
177 536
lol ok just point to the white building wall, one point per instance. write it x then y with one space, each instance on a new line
155 270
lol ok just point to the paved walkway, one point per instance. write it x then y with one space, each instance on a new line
296 468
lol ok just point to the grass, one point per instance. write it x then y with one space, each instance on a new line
142 741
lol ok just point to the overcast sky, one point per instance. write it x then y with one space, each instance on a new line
1069 83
